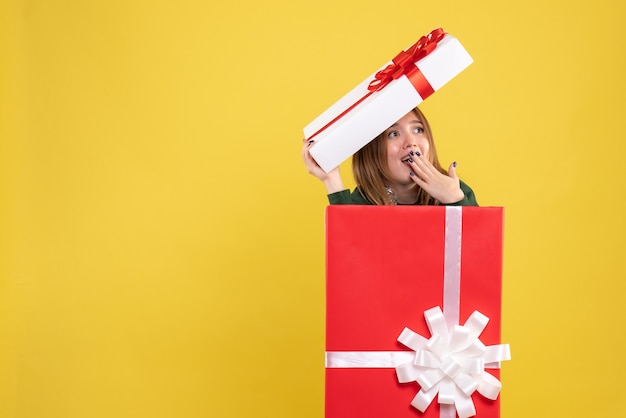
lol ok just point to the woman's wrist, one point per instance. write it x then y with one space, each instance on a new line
454 197
333 182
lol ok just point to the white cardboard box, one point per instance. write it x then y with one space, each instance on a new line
368 119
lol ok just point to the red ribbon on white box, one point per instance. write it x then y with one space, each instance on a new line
450 365
403 64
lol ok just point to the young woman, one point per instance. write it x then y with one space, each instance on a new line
399 167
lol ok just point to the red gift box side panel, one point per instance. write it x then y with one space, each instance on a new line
371 393
481 283
481 268
376 393
379 274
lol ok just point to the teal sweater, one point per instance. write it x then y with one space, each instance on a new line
344 197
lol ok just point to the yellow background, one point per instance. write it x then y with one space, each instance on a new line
161 245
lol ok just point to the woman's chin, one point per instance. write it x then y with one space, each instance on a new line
404 181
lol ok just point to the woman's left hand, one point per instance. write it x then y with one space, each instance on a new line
444 188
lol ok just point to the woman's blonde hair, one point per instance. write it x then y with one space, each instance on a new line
371 173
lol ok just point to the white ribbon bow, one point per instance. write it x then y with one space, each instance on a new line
452 363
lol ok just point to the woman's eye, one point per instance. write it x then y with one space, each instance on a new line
392 134
418 130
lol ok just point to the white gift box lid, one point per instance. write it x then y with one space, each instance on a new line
345 128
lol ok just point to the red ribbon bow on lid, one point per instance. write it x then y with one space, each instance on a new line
403 64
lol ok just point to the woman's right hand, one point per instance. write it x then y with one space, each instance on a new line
332 180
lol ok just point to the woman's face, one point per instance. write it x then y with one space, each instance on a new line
407 134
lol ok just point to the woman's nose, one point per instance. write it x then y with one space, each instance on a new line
410 141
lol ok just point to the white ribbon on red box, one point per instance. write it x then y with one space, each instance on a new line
451 363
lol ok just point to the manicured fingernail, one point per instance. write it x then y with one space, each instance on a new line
410 160
454 164
418 153
411 152
411 174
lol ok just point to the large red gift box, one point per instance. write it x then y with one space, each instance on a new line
384 97
386 266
